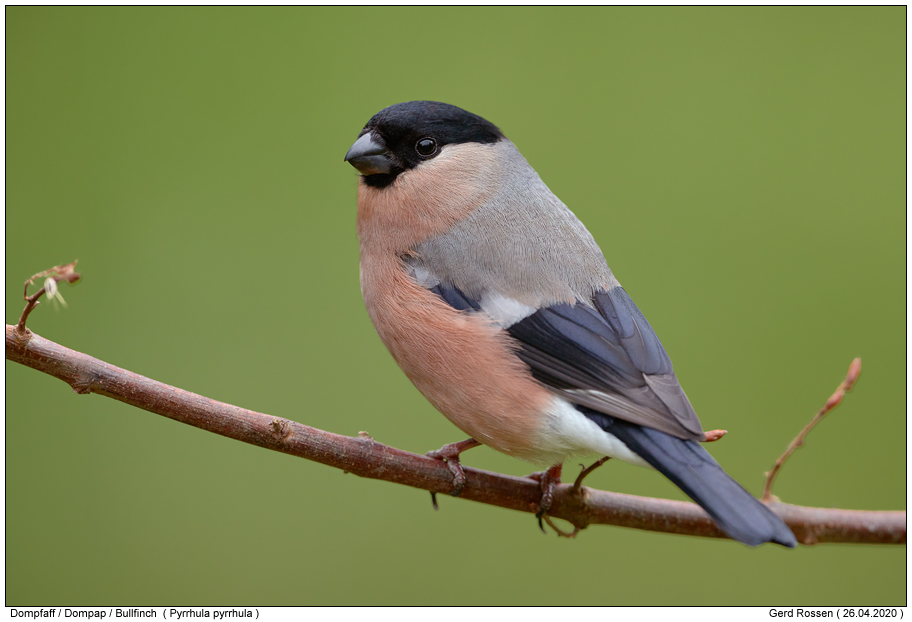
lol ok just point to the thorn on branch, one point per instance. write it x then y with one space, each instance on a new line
831 403
53 276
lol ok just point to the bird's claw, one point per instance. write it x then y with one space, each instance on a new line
450 455
548 480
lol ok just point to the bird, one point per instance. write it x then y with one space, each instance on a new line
500 307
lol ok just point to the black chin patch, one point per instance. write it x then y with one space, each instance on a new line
381 180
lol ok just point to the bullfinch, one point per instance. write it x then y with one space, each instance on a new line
499 306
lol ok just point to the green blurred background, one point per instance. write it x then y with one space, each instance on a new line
742 169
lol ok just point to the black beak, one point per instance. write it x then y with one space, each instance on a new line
369 155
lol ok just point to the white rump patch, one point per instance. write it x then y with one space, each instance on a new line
568 432
504 311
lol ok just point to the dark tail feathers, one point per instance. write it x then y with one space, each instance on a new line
737 512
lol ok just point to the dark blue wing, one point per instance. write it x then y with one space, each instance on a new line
605 356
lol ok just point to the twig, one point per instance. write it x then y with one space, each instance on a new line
366 457
586 471
713 435
57 273
833 402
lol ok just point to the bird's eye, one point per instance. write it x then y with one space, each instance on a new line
426 147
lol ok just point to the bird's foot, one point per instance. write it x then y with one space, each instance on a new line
586 471
548 480
450 455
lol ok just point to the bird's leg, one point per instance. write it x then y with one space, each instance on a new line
586 471
450 455
548 480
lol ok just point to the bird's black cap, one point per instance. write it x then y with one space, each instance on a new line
409 133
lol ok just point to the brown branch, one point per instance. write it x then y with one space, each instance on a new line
833 402
365 457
